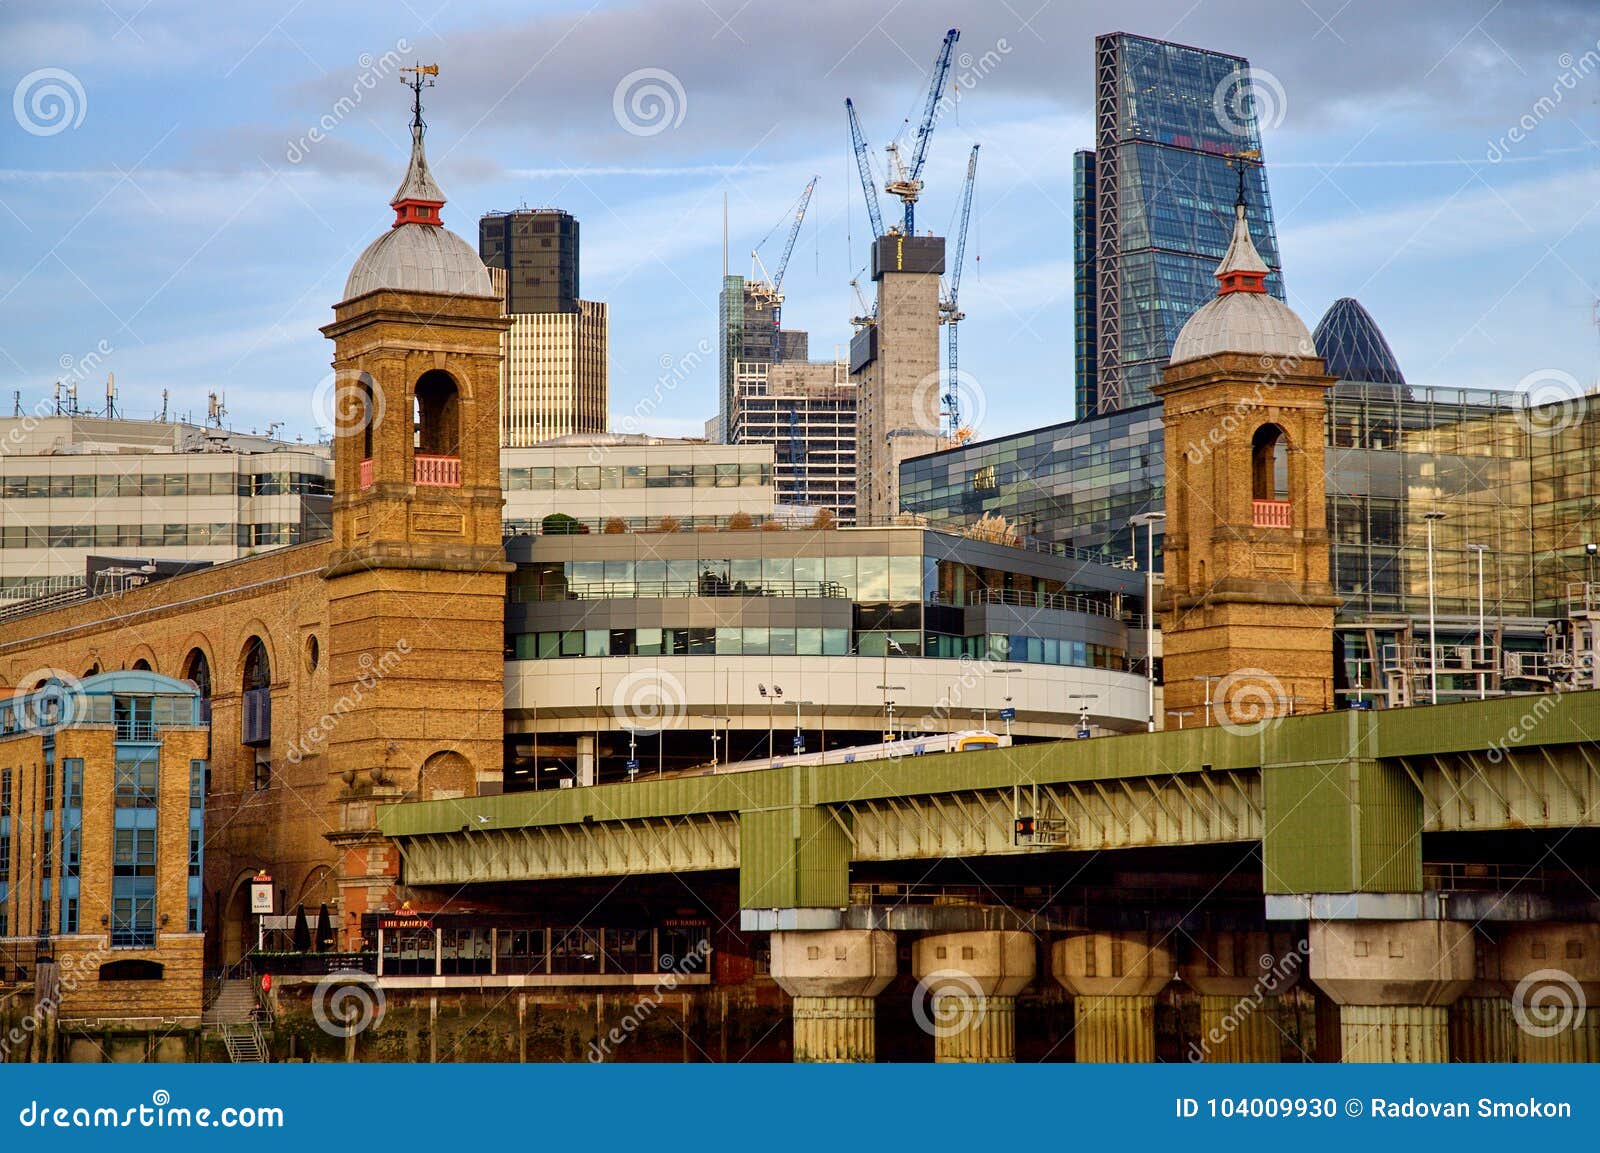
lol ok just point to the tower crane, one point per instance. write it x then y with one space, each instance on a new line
768 291
905 181
949 307
864 166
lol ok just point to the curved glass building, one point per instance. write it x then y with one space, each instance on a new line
1353 346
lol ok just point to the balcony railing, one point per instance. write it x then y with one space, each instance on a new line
366 473
1272 514
438 471
670 589
136 729
1026 598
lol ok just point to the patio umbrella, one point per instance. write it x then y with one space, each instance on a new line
325 941
301 939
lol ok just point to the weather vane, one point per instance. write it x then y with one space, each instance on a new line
421 77
1249 154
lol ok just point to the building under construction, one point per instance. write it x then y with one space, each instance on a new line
807 411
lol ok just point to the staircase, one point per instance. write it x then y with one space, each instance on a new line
234 1014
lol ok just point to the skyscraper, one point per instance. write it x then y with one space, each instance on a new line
1153 207
747 337
553 379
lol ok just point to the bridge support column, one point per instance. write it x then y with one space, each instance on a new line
833 976
967 986
1393 982
1114 979
1554 972
1481 1027
1240 977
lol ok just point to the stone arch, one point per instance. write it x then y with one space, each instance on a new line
1269 462
320 884
197 666
436 409
234 920
142 656
443 775
257 662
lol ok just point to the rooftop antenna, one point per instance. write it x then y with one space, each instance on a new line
16 403
724 235
163 405
421 77
215 409
111 395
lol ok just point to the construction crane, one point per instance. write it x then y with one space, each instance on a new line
864 165
905 181
949 307
768 291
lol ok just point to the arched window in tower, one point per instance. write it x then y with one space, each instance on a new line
255 723
1269 477
197 671
437 440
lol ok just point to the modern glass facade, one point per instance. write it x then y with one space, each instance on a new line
745 333
1153 208
538 249
1074 485
1517 480
1352 346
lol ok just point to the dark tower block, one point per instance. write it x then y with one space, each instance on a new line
416 578
1247 598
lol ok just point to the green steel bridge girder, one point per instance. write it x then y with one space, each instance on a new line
1338 801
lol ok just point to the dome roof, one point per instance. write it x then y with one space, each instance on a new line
1245 322
418 254
419 258
1244 317
1354 347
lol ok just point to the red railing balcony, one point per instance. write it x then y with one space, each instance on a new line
439 471
1272 514
366 473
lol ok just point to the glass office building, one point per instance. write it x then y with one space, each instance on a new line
1153 208
1516 479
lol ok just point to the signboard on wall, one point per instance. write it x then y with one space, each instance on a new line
261 893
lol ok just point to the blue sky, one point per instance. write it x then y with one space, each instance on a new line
175 219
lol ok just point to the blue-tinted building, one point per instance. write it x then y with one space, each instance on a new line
1349 341
1153 208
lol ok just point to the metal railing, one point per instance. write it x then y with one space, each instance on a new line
1470 876
1024 598
666 590
437 471
136 729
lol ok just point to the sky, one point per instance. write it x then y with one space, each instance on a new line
184 186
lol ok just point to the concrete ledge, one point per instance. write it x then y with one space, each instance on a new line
1432 905
789 920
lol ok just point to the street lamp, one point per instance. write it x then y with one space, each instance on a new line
888 706
1085 700
715 736
1207 680
1007 670
799 737
1180 714
1433 637
1149 519
1483 640
777 695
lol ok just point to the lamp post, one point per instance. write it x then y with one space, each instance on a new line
1180 714
1433 636
1483 640
1007 671
715 737
1149 519
1084 699
772 700
799 737
886 688
1208 681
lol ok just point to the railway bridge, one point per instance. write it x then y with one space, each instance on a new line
1420 866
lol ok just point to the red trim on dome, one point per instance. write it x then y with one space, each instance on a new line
1239 280
416 212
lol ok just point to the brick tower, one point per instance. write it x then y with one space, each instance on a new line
1247 599
416 577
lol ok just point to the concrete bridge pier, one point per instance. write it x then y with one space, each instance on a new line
1482 1030
967 992
1114 979
1553 971
1393 982
833 976
1240 978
